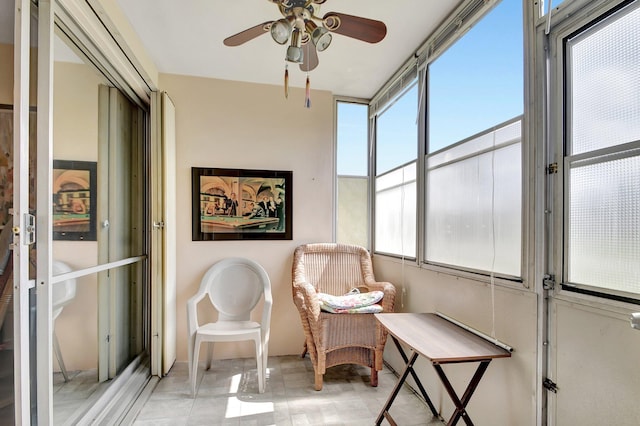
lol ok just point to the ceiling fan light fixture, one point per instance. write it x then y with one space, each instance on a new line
294 51
281 31
321 37
295 54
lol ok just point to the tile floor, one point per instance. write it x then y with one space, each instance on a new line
72 398
227 394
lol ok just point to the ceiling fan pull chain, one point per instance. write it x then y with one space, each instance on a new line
286 81
307 94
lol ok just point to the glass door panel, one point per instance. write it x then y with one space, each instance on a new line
97 223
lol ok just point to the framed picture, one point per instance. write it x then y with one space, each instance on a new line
74 200
235 204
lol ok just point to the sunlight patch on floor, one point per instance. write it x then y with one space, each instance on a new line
238 408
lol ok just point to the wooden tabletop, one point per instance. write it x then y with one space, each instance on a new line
438 339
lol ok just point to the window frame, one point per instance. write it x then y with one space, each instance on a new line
591 19
411 77
337 175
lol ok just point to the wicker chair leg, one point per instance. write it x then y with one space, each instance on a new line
318 383
304 350
374 377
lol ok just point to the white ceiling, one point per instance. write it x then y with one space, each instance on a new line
185 37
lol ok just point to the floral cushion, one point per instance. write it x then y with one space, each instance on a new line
371 309
349 301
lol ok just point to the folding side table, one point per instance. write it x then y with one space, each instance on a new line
442 342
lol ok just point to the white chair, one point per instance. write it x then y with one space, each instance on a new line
234 286
63 292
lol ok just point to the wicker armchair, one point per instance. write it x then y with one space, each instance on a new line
334 339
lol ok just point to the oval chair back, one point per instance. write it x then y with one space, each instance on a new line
234 287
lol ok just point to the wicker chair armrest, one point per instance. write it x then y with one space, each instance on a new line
389 290
306 297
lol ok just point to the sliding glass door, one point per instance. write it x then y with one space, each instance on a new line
74 281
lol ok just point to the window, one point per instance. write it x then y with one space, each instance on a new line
352 222
395 184
473 176
478 82
602 190
396 211
473 203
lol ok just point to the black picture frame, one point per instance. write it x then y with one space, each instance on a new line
74 200
241 204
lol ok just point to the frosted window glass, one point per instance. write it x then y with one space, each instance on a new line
605 84
507 134
604 225
395 215
397 177
352 222
474 212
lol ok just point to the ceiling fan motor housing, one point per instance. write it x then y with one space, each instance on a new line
303 29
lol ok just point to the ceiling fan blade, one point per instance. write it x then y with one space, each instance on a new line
310 57
364 29
247 35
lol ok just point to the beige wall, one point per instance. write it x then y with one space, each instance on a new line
506 394
237 125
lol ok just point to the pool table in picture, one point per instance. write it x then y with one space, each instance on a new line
71 222
237 224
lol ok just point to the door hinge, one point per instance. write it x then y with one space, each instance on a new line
552 168
550 385
549 282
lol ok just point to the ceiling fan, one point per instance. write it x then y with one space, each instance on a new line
307 33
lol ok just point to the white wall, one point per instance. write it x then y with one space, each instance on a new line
506 394
250 126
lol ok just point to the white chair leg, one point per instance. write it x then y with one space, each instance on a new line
260 365
190 343
56 349
265 357
209 355
194 366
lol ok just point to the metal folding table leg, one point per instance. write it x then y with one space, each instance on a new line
407 369
385 410
416 379
461 404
